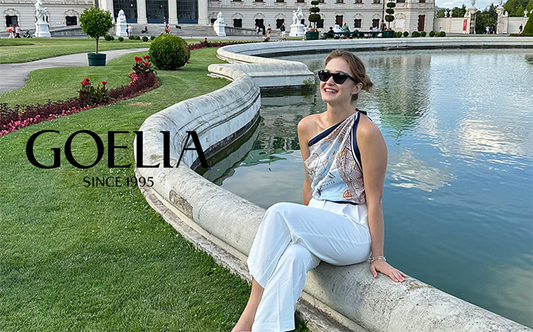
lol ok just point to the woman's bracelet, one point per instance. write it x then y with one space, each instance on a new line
377 258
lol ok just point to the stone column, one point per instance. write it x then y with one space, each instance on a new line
172 12
470 24
141 12
109 8
203 13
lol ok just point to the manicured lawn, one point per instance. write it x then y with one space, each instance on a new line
24 50
82 258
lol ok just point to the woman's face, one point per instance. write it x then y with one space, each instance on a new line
338 94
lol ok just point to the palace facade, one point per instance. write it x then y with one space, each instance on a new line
410 15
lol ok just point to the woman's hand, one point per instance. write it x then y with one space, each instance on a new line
384 267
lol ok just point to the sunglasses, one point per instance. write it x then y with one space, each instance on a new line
338 78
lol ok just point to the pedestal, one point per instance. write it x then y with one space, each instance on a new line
42 30
220 29
122 30
297 30
471 20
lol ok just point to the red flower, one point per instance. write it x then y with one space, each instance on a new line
104 82
147 63
138 59
146 57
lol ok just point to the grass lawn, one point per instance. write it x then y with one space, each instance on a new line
24 50
99 259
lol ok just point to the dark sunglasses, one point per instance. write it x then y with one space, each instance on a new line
338 78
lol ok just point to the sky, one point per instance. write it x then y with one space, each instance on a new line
480 4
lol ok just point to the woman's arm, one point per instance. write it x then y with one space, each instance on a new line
374 162
303 138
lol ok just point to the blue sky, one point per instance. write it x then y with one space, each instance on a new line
480 4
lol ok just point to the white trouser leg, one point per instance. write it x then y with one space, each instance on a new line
333 237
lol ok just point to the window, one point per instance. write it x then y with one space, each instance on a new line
213 20
339 1
338 20
375 22
258 0
376 1
280 0
260 23
129 7
71 20
400 1
11 20
358 1
320 1
303 21
320 24
300 1
422 1
357 23
279 22
237 22
156 11
237 0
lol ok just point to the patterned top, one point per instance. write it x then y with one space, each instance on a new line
334 164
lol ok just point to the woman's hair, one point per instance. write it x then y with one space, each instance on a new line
356 66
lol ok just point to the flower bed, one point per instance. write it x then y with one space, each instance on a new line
143 80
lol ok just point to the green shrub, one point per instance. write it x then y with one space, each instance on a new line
415 34
95 23
169 52
442 34
137 38
405 33
422 34
432 33
398 34
528 29
152 37
145 39
109 38
120 39
132 37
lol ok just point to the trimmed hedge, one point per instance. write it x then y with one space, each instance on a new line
422 34
398 34
169 52
432 33
152 37
145 39
109 37
442 34
120 39
406 33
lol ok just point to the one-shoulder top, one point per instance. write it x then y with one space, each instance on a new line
334 164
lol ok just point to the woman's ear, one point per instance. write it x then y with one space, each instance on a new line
357 88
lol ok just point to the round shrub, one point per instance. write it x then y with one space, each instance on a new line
120 39
398 34
415 34
109 37
432 33
145 39
422 34
132 37
152 37
405 33
169 52
442 34
137 38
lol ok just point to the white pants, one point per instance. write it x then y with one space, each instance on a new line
292 239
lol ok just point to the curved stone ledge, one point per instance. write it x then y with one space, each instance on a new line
224 225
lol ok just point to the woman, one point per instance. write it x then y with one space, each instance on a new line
342 223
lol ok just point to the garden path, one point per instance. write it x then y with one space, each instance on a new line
15 75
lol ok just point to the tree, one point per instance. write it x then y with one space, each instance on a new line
96 22
441 12
528 29
459 12
512 7
390 11
314 17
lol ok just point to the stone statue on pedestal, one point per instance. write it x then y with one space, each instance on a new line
41 26
220 25
121 26
297 28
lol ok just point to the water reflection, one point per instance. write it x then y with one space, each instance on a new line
458 188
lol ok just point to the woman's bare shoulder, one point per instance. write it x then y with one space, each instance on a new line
308 125
367 129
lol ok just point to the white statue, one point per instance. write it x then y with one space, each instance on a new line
41 11
121 17
219 25
220 18
121 28
473 2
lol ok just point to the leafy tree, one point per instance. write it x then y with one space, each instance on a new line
441 12
314 17
459 12
390 11
486 18
96 22
512 7
528 29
